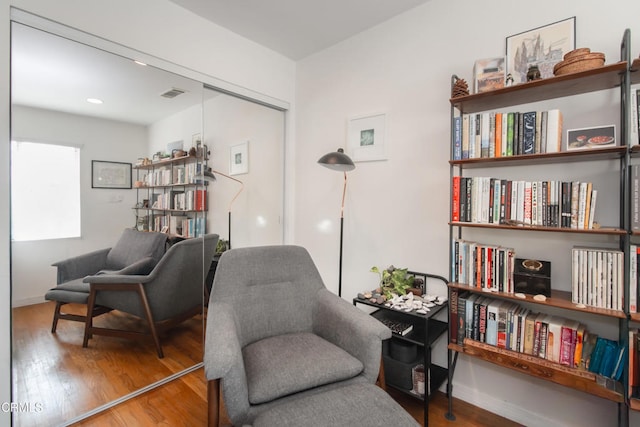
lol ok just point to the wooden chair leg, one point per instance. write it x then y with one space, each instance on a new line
56 317
381 381
213 403
152 325
88 323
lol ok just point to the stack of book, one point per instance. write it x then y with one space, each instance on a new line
507 325
597 277
483 266
487 200
502 134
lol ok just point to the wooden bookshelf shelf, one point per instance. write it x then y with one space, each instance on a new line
634 403
546 158
606 77
539 368
559 299
634 317
635 71
604 230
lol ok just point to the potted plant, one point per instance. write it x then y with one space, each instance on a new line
394 281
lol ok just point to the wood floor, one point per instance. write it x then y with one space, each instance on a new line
55 370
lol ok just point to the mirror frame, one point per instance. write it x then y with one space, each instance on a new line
208 83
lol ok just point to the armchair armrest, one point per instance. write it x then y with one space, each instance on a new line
81 265
222 345
117 278
352 329
143 266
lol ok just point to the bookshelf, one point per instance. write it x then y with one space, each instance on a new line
619 75
171 196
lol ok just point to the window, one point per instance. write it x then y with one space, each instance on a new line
45 191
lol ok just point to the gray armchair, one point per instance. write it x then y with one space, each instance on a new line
171 293
134 253
275 333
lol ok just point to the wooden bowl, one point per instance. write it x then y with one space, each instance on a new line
576 52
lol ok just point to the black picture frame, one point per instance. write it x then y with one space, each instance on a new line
110 175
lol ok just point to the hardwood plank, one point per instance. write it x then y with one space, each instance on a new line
68 380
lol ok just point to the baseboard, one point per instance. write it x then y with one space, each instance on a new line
27 301
500 407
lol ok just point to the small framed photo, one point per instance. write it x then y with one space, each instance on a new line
106 174
489 74
366 138
239 159
543 46
591 138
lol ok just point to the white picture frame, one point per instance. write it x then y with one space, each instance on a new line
239 159
366 137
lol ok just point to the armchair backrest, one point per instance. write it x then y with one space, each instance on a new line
176 284
135 245
272 289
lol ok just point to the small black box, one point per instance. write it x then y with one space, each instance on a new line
532 276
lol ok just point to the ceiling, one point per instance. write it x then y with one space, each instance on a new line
55 73
298 28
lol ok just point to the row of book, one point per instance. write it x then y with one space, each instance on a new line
487 267
179 225
178 175
190 200
502 134
487 200
597 277
507 325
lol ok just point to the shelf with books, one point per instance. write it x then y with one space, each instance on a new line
603 230
171 196
571 377
545 158
558 299
598 285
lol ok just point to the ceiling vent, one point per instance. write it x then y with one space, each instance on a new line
172 93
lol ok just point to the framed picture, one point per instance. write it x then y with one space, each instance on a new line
591 138
366 138
110 174
489 74
239 159
543 46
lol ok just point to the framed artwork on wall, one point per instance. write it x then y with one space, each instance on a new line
105 174
590 138
367 137
543 46
239 159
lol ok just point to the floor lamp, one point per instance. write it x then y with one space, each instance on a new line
210 175
338 161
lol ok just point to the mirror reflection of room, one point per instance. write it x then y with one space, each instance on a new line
85 149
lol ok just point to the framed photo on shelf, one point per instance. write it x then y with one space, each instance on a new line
543 46
239 159
366 137
105 174
489 74
591 138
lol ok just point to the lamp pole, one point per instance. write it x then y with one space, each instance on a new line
339 161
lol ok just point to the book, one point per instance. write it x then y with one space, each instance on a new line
455 199
457 138
453 315
529 132
554 131
588 345
397 327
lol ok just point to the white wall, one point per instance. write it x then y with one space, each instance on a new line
104 212
397 210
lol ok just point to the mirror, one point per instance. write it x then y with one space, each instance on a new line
53 371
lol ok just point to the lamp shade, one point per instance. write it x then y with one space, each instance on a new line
337 161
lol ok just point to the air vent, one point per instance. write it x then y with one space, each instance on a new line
172 93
